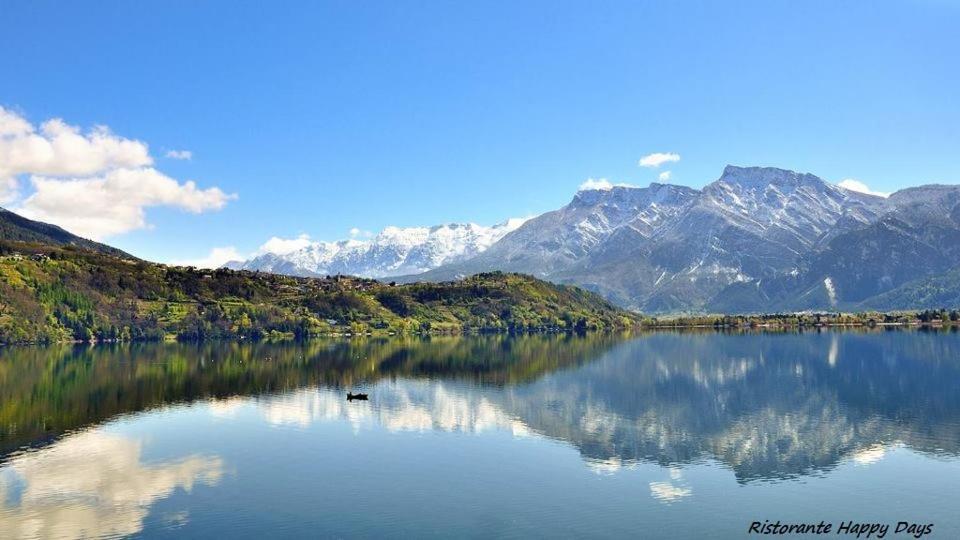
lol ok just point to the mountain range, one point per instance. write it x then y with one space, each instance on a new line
757 239
394 251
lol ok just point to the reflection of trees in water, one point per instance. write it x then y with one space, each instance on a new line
45 392
91 485
768 405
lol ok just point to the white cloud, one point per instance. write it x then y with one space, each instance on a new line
360 233
514 223
664 176
8 189
179 154
217 257
601 184
92 183
282 246
658 158
115 203
856 185
590 184
59 149
12 124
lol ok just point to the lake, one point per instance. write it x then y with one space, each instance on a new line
657 435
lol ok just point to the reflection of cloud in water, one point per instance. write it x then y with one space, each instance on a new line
226 408
673 490
869 455
834 350
90 484
710 376
606 466
768 406
668 492
409 406
175 520
305 407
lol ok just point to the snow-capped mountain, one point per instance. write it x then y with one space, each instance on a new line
756 239
556 240
394 251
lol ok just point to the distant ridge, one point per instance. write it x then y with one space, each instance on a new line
17 228
394 251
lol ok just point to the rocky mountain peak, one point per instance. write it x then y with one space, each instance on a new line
755 239
632 196
762 177
592 197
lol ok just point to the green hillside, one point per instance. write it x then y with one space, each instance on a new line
60 293
20 229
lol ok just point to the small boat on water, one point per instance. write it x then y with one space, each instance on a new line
351 397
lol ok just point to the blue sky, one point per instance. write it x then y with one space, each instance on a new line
326 116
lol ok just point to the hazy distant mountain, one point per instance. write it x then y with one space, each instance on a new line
395 251
20 229
756 239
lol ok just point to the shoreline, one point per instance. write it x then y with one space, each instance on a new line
917 324
641 328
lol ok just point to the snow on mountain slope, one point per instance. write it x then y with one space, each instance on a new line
751 223
755 239
555 240
394 251
750 240
796 208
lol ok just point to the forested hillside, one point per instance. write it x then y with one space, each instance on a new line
17 228
61 293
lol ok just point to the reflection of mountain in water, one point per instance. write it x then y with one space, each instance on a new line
45 392
767 405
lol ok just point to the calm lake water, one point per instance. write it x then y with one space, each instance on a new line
662 435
